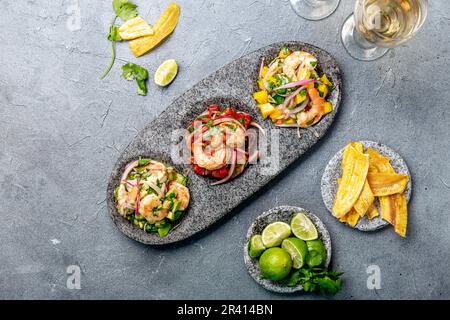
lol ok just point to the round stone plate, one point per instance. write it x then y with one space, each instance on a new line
333 172
284 214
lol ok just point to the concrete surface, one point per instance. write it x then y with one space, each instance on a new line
61 130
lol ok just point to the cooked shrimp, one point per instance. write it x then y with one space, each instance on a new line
147 208
158 172
182 194
234 138
296 59
315 113
210 158
126 199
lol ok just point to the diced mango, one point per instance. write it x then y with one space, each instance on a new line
261 97
271 79
264 71
323 89
266 109
310 85
327 107
325 81
260 85
299 98
276 114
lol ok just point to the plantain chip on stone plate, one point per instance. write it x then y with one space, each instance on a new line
135 28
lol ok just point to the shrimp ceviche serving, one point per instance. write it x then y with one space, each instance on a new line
292 92
152 196
221 143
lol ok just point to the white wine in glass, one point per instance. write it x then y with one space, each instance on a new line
314 9
378 25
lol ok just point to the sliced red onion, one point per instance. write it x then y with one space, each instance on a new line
261 67
299 109
256 125
128 169
156 188
230 172
295 84
292 96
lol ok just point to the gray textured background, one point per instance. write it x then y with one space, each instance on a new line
61 130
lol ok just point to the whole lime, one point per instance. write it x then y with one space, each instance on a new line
275 264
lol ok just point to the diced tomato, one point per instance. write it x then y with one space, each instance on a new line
244 118
228 112
200 171
220 173
213 108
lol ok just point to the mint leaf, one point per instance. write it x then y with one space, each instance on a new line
124 9
131 71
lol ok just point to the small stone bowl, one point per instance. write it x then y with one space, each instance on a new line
333 172
284 214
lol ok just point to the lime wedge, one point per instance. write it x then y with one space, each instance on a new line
275 233
166 72
297 249
256 246
303 228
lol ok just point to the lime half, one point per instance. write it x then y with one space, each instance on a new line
317 253
275 233
256 246
297 249
166 72
303 228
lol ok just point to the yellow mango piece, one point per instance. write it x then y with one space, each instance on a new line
284 53
277 113
365 200
304 74
135 28
327 107
163 28
264 71
385 184
323 89
372 212
266 109
260 85
354 174
261 97
325 81
299 98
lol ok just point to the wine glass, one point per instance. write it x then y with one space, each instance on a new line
314 9
377 25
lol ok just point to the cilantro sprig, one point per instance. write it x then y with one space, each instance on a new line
315 280
131 71
124 10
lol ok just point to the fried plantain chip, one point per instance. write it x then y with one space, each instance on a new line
163 28
365 200
385 184
352 218
135 28
372 212
401 217
378 163
354 174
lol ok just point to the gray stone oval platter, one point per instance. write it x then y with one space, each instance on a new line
231 85
333 172
284 214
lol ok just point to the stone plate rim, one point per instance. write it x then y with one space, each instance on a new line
281 213
137 147
332 170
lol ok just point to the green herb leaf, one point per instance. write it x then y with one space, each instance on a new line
124 9
315 280
114 34
132 71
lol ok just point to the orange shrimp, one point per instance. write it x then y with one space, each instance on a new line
315 112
